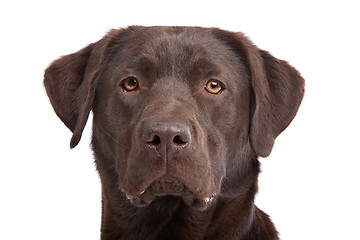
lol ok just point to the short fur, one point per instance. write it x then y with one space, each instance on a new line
176 161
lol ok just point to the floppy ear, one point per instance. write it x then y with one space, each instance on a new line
277 90
70 83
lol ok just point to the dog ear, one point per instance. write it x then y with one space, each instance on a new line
70 83
277 91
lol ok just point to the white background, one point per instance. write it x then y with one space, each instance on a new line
310 183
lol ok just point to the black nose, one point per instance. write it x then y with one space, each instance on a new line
172 135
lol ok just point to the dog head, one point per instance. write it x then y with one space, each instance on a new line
177 111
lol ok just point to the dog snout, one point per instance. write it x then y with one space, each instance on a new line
168 135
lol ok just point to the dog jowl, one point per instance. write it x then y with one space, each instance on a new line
180 117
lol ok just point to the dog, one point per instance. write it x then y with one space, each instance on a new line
180 117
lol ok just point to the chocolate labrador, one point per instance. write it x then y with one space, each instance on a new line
180 117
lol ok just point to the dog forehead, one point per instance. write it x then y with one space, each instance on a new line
168 51
156 41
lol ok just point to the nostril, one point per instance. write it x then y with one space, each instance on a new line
166 135
155 141
179 140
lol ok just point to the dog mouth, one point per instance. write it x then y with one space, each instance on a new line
171 186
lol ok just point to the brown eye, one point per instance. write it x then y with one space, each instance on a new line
214 86
130 84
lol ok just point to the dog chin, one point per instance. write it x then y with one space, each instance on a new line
169 186
195 203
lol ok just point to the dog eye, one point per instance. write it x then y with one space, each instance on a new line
130 84
214 86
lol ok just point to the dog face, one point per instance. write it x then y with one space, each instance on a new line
177 111
173 102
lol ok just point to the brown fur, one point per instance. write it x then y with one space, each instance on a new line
175 161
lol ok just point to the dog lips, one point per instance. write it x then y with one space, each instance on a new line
209 199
